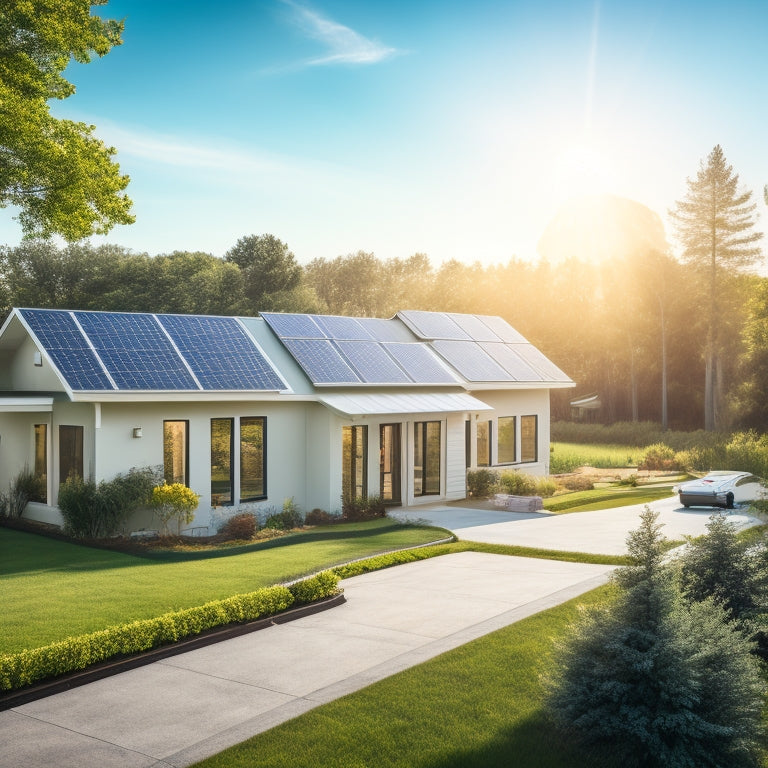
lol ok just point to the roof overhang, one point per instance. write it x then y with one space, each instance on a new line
399 404
26 404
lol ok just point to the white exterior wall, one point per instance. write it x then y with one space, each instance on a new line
530 402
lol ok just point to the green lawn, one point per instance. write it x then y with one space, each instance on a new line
566 457
605 498
52 589
478 706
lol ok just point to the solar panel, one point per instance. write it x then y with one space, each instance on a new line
321 361
135 351
220 353
68 348
507 358
420 363
293 326
474 327
549 371
432 325
372 363
502 329
338 328
386 330
469 359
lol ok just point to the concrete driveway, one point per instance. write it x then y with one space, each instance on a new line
602 532
184 708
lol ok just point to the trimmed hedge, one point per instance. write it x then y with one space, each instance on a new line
76 653
379 562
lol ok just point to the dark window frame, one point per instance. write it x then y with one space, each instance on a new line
215 494
185 422
505 461
41 472
263 495
421 432
77 433
351 469
523 457
487 442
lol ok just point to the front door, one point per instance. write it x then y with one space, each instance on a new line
389 463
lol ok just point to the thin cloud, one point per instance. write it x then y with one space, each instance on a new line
343 45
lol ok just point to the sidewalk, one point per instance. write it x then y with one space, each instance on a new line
184 708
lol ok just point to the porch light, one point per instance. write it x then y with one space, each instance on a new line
137 432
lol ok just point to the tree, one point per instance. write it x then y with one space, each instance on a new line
660 682
715 226
752 404
269 268
57 172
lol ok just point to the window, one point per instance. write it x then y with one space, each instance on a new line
253 463
529 428
467 443
176 452
507 440
70 452
222 475
426 458
484 429
41 464
354 475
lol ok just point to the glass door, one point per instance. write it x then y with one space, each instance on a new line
389 463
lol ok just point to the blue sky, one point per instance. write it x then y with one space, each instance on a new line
449 128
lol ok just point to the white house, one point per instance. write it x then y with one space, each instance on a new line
250 411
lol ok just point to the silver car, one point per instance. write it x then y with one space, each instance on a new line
721 489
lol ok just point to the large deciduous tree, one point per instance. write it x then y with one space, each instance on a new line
60 176
715 224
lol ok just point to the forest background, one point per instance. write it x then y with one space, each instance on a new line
609 324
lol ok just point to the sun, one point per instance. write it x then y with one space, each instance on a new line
584 169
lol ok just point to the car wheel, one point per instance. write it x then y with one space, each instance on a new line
729 500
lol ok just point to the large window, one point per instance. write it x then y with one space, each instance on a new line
224 452
222 472
507 440
253 484
426 458
354 473
41 464
176 452
529 428
70 452
484 429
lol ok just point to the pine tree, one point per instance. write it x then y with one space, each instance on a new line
656 681
715 224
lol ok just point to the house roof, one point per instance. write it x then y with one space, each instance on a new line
129 355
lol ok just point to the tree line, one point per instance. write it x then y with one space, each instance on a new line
616 328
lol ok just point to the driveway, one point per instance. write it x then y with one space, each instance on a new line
184 708
601 532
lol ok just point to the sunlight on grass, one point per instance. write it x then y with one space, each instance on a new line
567 457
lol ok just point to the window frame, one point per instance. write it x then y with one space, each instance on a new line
185 479
421 432
523 457
230 454
499 432
41 476
487 442
263 495
78 433
350 469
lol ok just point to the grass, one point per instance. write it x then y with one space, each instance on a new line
605 498
566 457
478 706
96 588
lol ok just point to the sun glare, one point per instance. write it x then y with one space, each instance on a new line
583 169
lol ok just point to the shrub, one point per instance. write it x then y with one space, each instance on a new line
314 588
289 518
174 500
520 484
320 517
363 508
659 457
576 483
481 483
79 508
240 526
25 487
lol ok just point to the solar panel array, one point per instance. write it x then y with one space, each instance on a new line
348 350
140 352
482 348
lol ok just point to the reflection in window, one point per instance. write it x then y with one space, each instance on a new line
252 458
529 438
426 458
70 452
507 438
483 443
222 478
354 476
176 452
41 464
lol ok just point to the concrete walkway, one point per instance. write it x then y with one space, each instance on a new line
182 709
601 532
